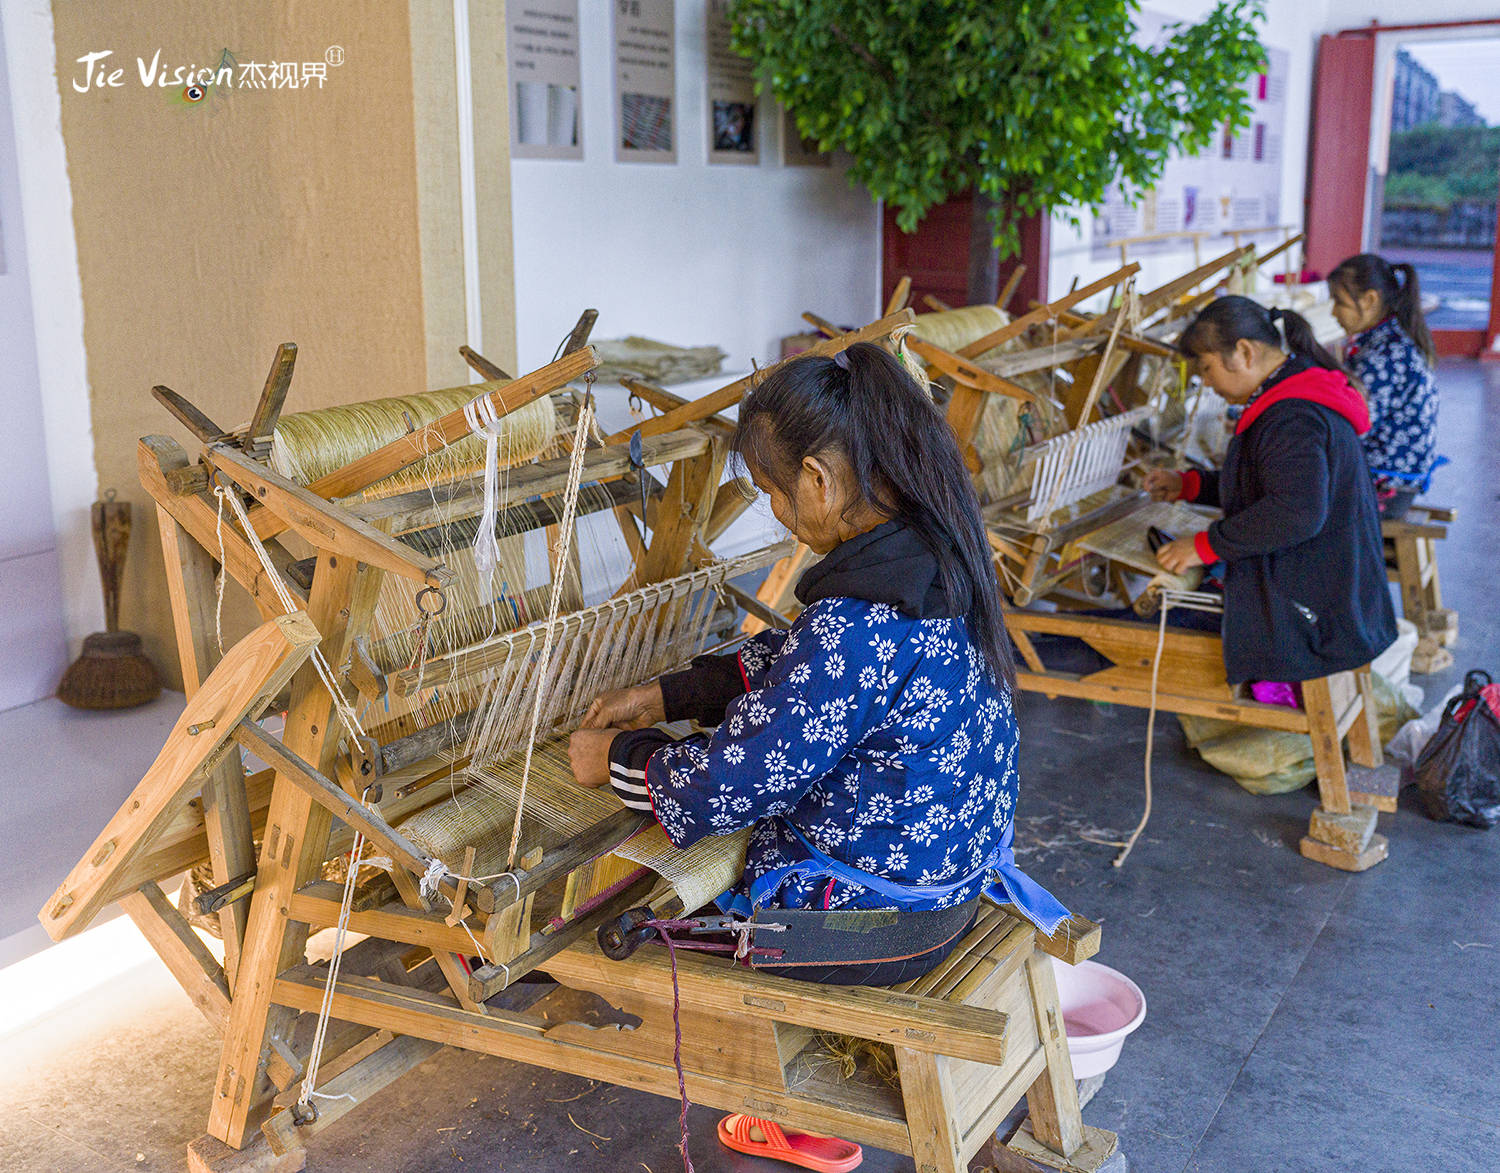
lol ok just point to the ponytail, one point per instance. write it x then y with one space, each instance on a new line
866 406
1300 339
1398 288
1230 319
1408 309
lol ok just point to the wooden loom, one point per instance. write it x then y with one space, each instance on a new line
970 1039
1190 677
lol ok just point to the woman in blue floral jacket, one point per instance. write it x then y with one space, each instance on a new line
1390 351
872 747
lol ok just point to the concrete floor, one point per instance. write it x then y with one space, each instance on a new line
1300 1018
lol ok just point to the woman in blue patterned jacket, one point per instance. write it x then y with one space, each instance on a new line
1390 351
872 747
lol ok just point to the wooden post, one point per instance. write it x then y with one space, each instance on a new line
226 814
1053 1098
343 600
1328 749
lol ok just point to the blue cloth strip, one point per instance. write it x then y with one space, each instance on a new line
1011 885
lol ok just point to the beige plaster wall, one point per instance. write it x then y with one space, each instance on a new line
208 233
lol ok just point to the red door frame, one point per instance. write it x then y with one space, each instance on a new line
1337 189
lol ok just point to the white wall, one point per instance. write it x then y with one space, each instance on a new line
1344 14
685 253
33 647
1293 25
60 378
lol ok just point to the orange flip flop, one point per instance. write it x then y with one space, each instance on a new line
827 1154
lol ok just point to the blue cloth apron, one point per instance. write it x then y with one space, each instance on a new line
1010 885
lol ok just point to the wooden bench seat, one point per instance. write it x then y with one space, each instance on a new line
1191 679
1411 562
969 1039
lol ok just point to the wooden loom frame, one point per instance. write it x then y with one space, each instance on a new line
984 1031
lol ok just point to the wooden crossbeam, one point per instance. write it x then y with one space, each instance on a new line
244 683
417 509
1019 326
408 450
157 458
325 526
728 396
343 806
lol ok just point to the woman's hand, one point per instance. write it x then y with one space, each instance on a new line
588 751
1179 556
626 708
1163 484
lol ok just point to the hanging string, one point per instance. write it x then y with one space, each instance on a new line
483 421
559 575
1192 600
350 720
320 1033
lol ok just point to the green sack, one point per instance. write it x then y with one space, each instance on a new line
1273 761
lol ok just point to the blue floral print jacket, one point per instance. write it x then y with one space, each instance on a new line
880 736
1403 399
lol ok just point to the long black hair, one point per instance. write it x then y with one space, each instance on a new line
866 407
1398 288
1229 319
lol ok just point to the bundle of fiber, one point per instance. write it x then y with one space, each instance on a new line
952 330
310 444
655 362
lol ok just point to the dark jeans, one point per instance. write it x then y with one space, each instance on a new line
1394 507
894 942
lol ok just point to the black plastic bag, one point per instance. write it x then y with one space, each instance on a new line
1458 771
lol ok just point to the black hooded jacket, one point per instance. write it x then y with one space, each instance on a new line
1305 590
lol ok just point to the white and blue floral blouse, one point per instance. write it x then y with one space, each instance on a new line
880 737
1401 442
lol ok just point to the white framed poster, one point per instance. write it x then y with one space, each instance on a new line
1234 184
645 81
545 79
733 136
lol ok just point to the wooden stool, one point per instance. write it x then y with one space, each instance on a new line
1411 561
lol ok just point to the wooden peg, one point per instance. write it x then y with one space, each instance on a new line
262 427
459 910
189 416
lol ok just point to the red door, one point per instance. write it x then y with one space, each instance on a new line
1339 159
949 257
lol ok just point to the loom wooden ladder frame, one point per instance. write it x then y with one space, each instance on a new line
343 596
1192 676
1411 562
1191 680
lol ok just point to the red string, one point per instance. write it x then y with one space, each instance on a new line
682 1145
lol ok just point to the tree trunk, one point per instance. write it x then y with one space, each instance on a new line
984 258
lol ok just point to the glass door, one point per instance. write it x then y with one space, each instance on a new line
1436 206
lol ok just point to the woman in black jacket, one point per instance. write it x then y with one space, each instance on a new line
1305 590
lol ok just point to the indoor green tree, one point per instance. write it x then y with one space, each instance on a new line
1035 105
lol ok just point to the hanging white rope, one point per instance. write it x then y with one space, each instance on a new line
480 414
559 575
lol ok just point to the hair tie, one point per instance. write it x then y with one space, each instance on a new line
1276 314
841 360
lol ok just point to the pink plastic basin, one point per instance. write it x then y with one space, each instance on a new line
1100 1006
